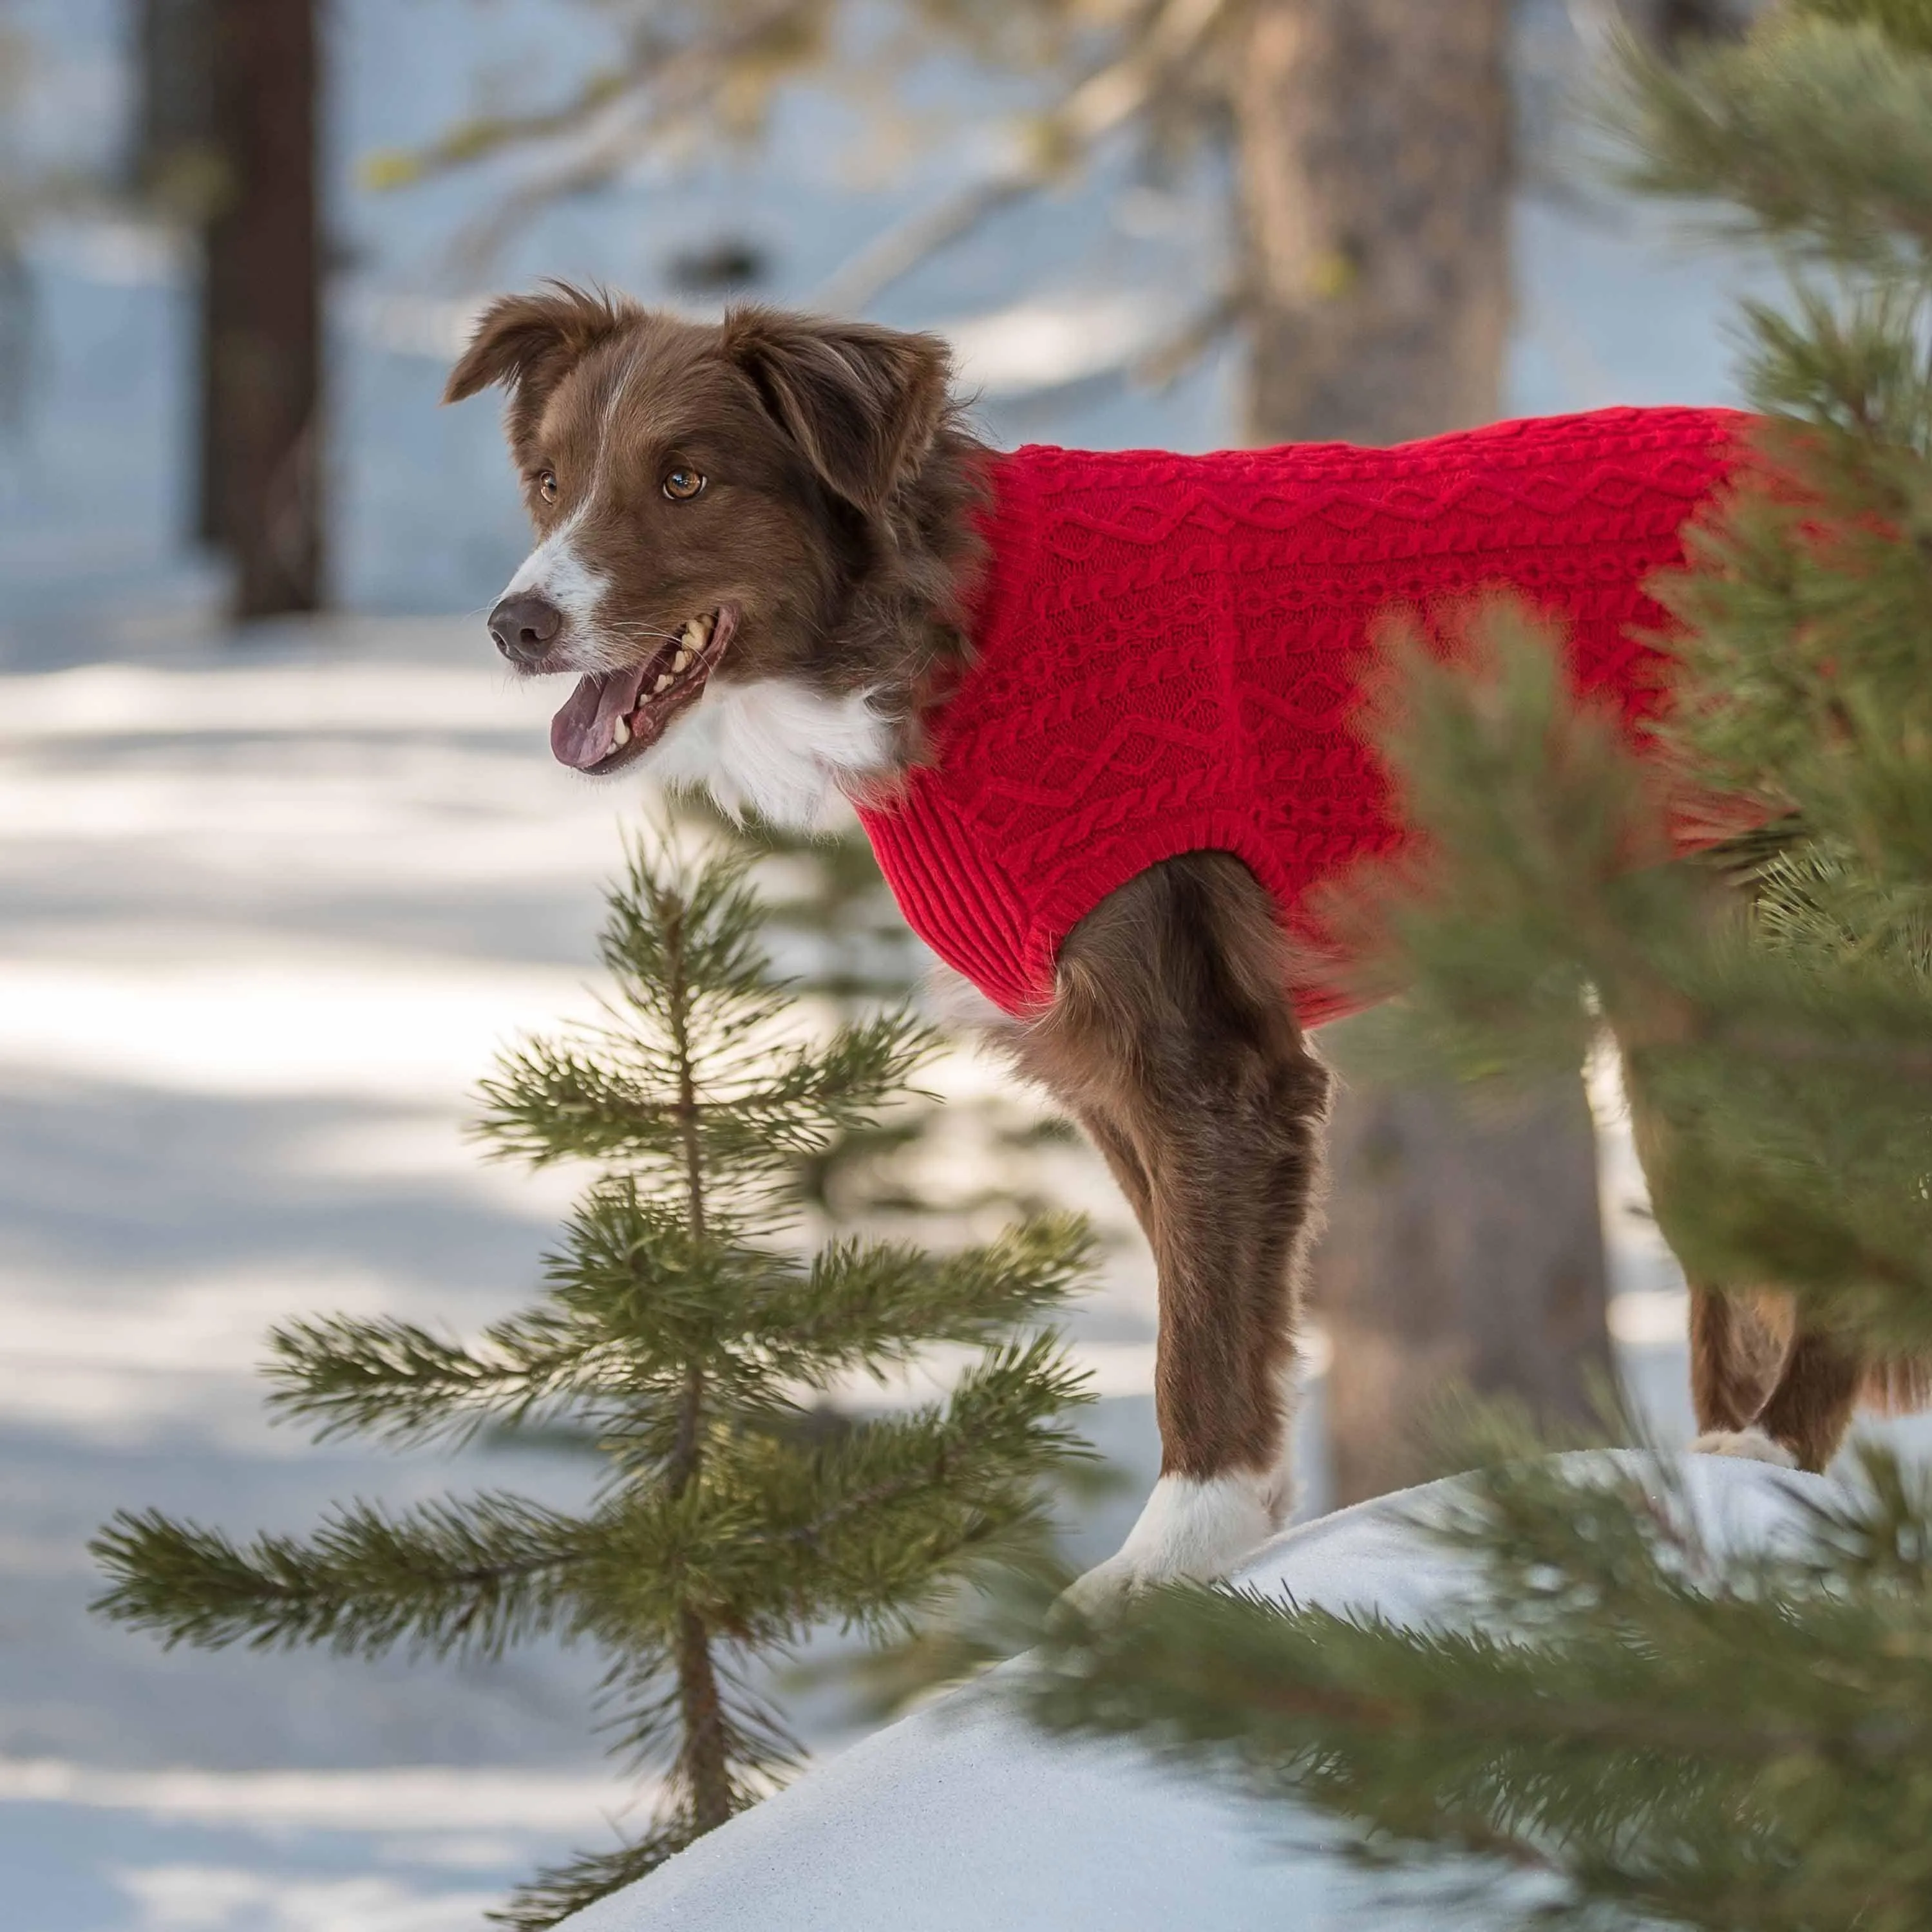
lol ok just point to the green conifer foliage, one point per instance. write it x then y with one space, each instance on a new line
681 1333
1655 1726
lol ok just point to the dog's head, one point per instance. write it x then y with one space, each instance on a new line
708 498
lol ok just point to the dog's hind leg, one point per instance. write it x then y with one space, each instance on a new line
1171 1038
1810 1405
1766 1382
1729 1380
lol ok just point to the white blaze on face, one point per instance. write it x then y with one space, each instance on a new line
557 569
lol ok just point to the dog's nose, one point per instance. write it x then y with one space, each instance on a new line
525 627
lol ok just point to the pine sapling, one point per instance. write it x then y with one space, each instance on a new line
681 1331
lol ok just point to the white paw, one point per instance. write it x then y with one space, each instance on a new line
1190 1528
1102 1588
1752 1444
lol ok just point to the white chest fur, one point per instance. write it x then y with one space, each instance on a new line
775 747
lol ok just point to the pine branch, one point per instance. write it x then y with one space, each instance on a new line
864 1528
1524 893
610 1096
1818 133
633 1272
1701 1745
635 1301
396 1382
633 1291
881 1521
683 927
1792 1077
560 1891
446 1578
870 1305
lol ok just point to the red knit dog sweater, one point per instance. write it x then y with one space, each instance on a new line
1168 653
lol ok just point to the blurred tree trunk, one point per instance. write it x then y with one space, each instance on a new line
259 494
1373 149
1462 1251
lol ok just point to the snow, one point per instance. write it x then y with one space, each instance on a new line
962 1816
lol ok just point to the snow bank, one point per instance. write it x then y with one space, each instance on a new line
960 1819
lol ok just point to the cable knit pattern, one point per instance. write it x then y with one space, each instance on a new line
1171 649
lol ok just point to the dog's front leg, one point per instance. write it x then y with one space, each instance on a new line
1172 1040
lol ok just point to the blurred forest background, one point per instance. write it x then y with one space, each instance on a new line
284 858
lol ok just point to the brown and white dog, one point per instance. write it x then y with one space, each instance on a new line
754 537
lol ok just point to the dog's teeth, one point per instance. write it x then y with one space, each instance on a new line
662 684
622 736
681 661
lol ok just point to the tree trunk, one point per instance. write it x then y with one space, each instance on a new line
1461 1253
259 493
1373 150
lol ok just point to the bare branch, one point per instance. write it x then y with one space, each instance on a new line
660 90
1094 108
859 282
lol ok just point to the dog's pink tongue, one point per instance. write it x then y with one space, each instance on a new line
584 733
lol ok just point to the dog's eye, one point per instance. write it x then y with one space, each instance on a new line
681 485
547 485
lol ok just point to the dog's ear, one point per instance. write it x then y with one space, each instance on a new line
862 403
530 342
